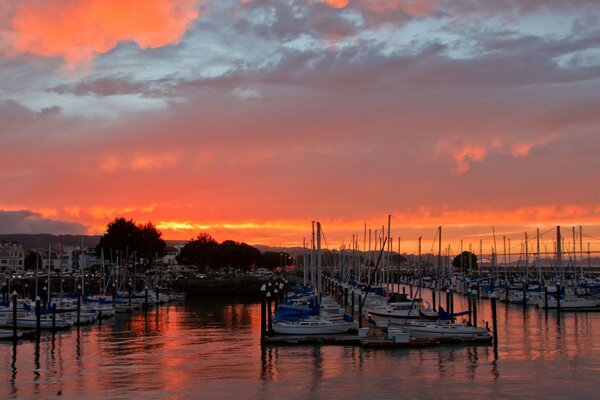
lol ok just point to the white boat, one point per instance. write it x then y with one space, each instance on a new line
443 329
570 303
395 311
312 326
8 334
28 320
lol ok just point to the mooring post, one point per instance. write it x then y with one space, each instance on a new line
546 299
433 298
447 300
78 306
263 313
53 318
352 304
14 304
525 285
129 294
470 307
269 315
494 321
474 300
360 311
558 297
38 315
452 300
345 298
99 317
146 298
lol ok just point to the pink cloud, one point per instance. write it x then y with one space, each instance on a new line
79 30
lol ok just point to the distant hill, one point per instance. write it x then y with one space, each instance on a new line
31 241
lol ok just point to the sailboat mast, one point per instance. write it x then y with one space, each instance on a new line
559 253
49 271
439 263
538 261
312 258
319 257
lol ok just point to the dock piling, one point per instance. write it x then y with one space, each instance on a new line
38 314
263 313
474 302
14 303
53 318
494 321
360 307
269 315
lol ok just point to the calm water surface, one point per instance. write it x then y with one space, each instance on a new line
209 349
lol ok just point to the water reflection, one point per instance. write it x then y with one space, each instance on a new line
213 345
13 367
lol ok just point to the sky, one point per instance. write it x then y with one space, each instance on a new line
249 119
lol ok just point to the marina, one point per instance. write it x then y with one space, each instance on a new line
209 348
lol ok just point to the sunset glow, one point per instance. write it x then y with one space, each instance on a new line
250 119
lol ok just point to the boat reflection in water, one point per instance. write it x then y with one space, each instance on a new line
210 349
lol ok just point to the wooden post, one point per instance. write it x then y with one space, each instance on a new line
78 306
474 300
14 301
558 298
345 298
546 299
448 301
452 300
269 315
263 314
411 290
433 298
494 321
525 285
146 298
100 317
360 311
129 297
470 307
38 314
53 318
352 305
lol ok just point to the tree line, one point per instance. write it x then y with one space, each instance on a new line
144 242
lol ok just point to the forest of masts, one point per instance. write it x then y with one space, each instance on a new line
566 254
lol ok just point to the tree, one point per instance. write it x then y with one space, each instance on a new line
32 259
397 259
273 259
199 251
465 262
231 254
131 240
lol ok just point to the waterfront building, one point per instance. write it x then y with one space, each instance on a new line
12 257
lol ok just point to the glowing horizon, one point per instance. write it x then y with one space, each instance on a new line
247 120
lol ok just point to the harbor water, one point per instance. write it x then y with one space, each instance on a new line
208 348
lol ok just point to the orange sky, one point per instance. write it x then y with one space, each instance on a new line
248 120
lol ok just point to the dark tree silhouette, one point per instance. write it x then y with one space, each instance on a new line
273 259
199 251
461 262
32 259
132 241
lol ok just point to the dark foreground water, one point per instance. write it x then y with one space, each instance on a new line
209 349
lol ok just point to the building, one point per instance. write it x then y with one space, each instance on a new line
12 257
